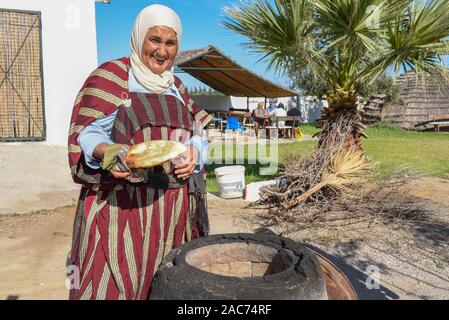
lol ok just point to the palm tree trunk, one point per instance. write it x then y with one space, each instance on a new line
343 112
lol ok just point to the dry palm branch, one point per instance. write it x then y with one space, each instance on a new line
334 167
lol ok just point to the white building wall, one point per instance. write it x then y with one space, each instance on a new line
69 55
253 102
310 108
213 103
221 103
224 103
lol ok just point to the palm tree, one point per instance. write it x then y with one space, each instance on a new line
347 44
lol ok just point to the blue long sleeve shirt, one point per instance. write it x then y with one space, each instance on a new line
99 131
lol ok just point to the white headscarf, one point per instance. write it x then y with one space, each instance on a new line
152 16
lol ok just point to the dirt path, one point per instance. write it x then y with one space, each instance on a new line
35 177
33 250
410 263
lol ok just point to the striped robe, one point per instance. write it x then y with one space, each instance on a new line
122 231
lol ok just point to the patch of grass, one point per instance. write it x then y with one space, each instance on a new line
396 150
309 129
255 158
386 125
393 149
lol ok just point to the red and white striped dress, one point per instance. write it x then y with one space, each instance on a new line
122 231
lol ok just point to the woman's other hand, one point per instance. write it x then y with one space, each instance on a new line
188 162
119 174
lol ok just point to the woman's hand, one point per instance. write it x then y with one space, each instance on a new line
98 154
189 160
120 174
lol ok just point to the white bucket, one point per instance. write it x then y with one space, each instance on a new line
231 181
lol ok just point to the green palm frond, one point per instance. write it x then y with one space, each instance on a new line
282 32
415 40
346 43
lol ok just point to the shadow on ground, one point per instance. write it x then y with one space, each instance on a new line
358 279
433 234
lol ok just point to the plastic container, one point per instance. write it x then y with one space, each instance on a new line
231 181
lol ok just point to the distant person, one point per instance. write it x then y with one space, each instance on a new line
260 115
280 112
293 112
289 104
271 107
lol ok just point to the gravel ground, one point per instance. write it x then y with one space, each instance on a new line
408 262
35 177
411 263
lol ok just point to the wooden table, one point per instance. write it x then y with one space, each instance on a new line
276 119
438 124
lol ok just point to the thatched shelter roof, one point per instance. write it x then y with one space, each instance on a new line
422 101
218 71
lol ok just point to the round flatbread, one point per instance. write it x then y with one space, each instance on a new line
153 153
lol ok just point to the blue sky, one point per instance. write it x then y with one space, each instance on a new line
201 27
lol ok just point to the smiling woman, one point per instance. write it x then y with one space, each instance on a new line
159 49
128 219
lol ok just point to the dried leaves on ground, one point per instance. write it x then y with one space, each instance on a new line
332 189
333 169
